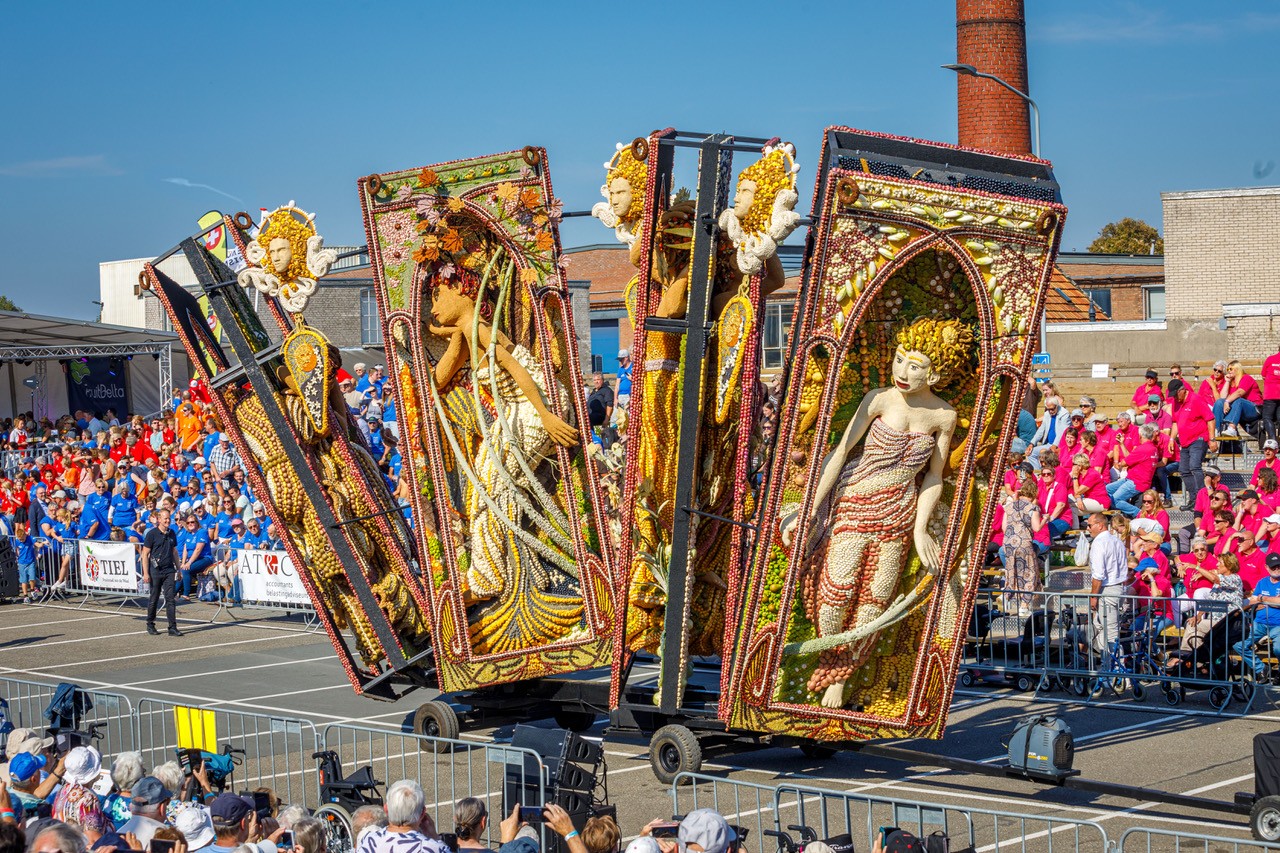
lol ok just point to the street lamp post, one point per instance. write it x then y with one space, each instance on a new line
970 71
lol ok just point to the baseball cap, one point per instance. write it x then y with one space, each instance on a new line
1271 444
17 737
1153 398
708 828
222 436
1245 494
902 841
1076 413
1274 518
24 765
1151 374
624 353
230 808
1273 562
1148 563
1176 385
199 460
82 765
196 826
1212 471
644 844
149 791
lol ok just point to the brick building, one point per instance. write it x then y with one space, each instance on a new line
1121 287
991 35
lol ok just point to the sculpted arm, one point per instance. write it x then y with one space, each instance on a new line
930 492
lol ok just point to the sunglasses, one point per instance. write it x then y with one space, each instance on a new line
1148 501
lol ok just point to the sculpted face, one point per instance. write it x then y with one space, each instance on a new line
912 371
449 307
280 252
620 196
744 197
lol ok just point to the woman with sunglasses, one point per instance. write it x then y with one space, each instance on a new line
1152 506
1052 498
1240 403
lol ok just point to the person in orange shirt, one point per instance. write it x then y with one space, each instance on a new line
188 427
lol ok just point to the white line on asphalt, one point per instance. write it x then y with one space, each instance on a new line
48 624
221 645
139 614
79 640
221 672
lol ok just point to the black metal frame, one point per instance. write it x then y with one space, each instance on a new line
219 283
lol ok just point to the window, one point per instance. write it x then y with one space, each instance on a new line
370 328
604 345
1100 302
1153 303
777 327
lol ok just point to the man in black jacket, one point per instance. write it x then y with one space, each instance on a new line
158 567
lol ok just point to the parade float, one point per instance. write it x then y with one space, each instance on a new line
796 572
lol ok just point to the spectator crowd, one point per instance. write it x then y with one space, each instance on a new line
93 476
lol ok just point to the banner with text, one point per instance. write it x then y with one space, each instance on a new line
97 384
270 577
108 566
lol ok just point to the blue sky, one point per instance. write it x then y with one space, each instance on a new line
124 122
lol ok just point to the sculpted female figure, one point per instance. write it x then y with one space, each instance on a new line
873 506
496 416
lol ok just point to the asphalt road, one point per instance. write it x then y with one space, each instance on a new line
273 666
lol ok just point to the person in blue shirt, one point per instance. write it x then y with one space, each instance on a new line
376 446
624 377
1266 617
25 546
123 511
254 536
185 473
195 552
137 532
239 541
220 525
93 515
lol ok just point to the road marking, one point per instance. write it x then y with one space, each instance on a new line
48 624
44 644
189 675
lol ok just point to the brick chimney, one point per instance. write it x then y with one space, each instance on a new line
991 36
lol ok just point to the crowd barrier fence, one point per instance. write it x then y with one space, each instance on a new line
448 770
760 809
113 712
1144 840
1100 647
277 749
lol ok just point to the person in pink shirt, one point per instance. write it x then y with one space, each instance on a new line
1099 457
1250 511
1270 394
1052 497
1197 570
1222 534
1240 404
1150 584
1088 489
1149 388
1253 560
1014 476
1191 419
1153 508
1069 443
1268 489
1138 468
1204 526
1103 430
1269 532
1125 432
1214 388
1269 460
1212 485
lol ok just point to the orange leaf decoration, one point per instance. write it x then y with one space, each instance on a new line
528 276
530 198
544 242
426 252
452 241
506 191
428 178
455 204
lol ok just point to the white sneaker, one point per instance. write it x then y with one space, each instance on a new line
1024 612
1231 431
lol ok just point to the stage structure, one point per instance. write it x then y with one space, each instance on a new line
483 357
911 349
281 406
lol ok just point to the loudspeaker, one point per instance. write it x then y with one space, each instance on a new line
572 761
9 586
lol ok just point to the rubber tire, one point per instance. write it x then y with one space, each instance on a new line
1264 819
574 721
1219 697
1044 685
1173 695
1242 691
437 719
816 751
966 679
674 750
1023 683
1137 689
338 828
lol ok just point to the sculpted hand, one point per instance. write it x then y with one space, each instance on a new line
787 527
561 433
928 551
444 331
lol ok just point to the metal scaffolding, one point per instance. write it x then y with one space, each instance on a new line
41 356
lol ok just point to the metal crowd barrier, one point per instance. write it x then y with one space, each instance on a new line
113 711
448 770
1100 646
760 808
1143 840
277 749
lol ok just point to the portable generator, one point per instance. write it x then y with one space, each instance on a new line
1042 748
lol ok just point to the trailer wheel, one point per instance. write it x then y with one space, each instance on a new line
337 828
672 751
1264 819
436 719
1242 691
574 721
816 751
966 679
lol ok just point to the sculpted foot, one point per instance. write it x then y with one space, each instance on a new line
834 697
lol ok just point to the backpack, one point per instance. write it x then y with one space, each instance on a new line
6 726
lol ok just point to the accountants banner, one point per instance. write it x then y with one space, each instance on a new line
270 577
108 566
97 384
